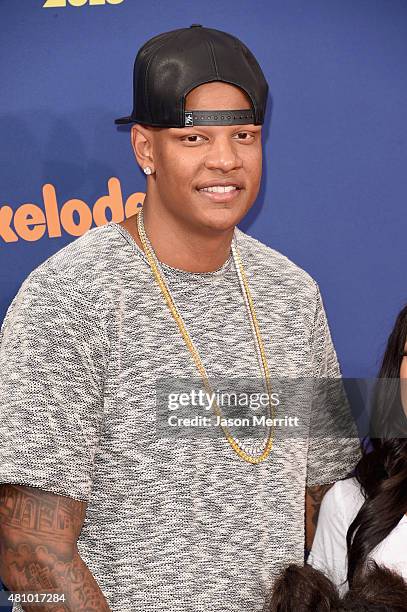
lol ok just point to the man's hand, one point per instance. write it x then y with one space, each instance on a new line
313 499
38 549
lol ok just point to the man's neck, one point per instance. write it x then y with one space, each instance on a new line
181 247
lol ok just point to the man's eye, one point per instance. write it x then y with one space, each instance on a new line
191 138
244 136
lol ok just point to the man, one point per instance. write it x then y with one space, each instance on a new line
101 501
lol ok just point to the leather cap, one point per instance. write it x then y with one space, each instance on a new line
168 66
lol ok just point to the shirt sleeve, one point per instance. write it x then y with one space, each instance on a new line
329 552
334 445
53 355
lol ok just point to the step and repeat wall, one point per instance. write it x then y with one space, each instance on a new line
333 195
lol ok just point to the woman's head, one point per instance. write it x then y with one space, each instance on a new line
382 472
302 589
375 589
306 589
389 417
401 333
393 364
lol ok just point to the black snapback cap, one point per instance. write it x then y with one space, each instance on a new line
168 66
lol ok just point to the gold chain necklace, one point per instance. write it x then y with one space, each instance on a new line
154 264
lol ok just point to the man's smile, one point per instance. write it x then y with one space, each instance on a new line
221 191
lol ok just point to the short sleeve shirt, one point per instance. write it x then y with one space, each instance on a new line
172 525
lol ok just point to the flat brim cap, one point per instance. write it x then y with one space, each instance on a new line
168 66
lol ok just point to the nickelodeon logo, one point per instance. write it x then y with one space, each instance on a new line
30 222
64 3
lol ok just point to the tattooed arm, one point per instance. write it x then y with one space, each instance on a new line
313 499
38 549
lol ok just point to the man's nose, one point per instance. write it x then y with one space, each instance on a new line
223 155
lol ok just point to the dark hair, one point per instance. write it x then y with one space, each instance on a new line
382 471
301 589
375 589
306 589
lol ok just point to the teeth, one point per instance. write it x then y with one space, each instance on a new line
219 189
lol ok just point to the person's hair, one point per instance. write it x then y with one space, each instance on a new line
382 471
306 589
301 589
375 589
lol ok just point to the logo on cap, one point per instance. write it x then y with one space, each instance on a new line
189 118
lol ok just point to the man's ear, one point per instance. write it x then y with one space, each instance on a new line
142 143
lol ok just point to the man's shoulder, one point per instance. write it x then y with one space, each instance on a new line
84 261
277 267
67 286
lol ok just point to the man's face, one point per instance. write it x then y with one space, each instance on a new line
189 162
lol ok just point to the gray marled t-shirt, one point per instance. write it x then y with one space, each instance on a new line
172 525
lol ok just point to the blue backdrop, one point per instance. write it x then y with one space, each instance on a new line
334 188
333 196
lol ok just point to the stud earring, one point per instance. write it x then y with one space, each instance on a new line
147 170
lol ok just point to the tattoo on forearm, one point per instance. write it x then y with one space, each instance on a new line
38 550
36 511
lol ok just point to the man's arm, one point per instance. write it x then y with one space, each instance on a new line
313 499
38 549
